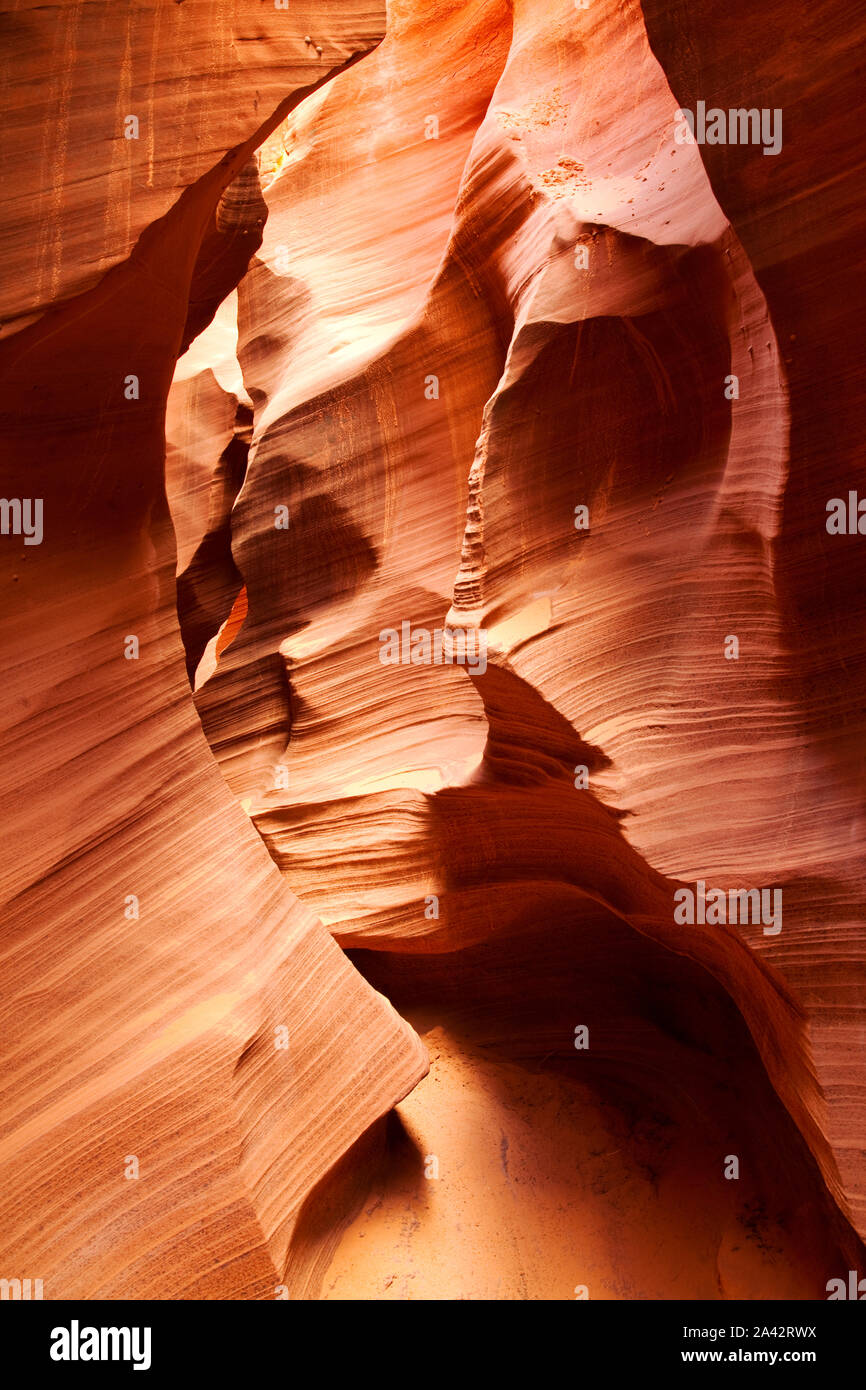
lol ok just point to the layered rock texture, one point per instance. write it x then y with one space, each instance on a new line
433 722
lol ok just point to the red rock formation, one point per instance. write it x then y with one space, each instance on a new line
186 1051
477 373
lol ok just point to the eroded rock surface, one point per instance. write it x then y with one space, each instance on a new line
508 358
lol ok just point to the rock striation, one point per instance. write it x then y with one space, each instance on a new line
454 433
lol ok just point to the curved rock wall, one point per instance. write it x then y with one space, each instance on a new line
474 348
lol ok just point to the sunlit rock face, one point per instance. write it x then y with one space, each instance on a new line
111 111
496 674
187 1053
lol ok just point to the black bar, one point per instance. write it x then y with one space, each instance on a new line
224 1340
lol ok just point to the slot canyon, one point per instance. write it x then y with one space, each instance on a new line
418 445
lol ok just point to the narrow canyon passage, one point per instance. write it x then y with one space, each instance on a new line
597 1121
605 1168
434 594
380 790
